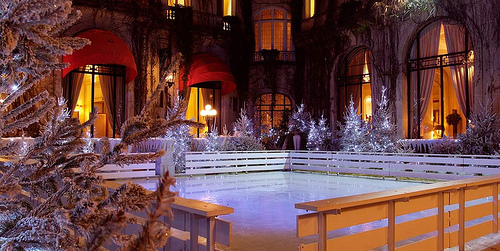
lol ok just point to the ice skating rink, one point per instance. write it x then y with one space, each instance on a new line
264 215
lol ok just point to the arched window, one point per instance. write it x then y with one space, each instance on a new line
273 31
355 82
271 109
441 70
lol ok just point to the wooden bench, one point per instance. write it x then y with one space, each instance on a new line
195 225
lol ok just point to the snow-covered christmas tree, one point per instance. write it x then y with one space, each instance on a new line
382 137
243 124
50 195
213 142
319 135
299 121
354 132
244 138
180 134
482 135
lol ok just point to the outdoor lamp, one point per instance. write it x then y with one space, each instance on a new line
208 114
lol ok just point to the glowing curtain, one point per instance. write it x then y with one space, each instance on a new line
107 95
455 42
355 68
429 46
71 90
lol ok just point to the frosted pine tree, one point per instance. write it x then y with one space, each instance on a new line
299 121
180 134
50 195
324 132
243 125
382 137
354 132
244 138
482 135
213 143
313 137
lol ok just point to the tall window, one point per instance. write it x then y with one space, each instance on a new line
309 8
101 86
440 80
271 109
228 8
356 82
273 30
179 2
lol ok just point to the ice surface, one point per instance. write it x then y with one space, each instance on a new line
264 215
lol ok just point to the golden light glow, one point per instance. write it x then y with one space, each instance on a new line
228 7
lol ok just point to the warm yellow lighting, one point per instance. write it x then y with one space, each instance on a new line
366 72
208 112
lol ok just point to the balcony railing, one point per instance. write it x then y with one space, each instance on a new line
199 18
286 56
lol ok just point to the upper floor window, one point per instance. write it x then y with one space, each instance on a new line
179 2
273 31
309 8
228 8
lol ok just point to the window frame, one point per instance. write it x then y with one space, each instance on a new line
287 103
286 21
438 62
347 80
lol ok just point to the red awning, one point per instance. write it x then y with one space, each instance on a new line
106 48
206 67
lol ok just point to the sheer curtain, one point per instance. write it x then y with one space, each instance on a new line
71 88
107 95
455 42
120 103
429 46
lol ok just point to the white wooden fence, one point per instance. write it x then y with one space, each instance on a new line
226 162
132 171
428 166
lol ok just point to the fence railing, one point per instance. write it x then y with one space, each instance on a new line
195 225
428 217
226 162
425 166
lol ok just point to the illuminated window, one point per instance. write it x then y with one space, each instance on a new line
179 2
310 7
356 83
228 8
440 80
273 32
101 86
271 110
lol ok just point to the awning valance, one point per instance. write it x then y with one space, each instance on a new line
106 48
206 67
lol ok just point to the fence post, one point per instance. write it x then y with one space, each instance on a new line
495 207
391 226
322 231
461 219
441 220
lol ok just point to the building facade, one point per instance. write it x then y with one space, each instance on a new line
437 59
